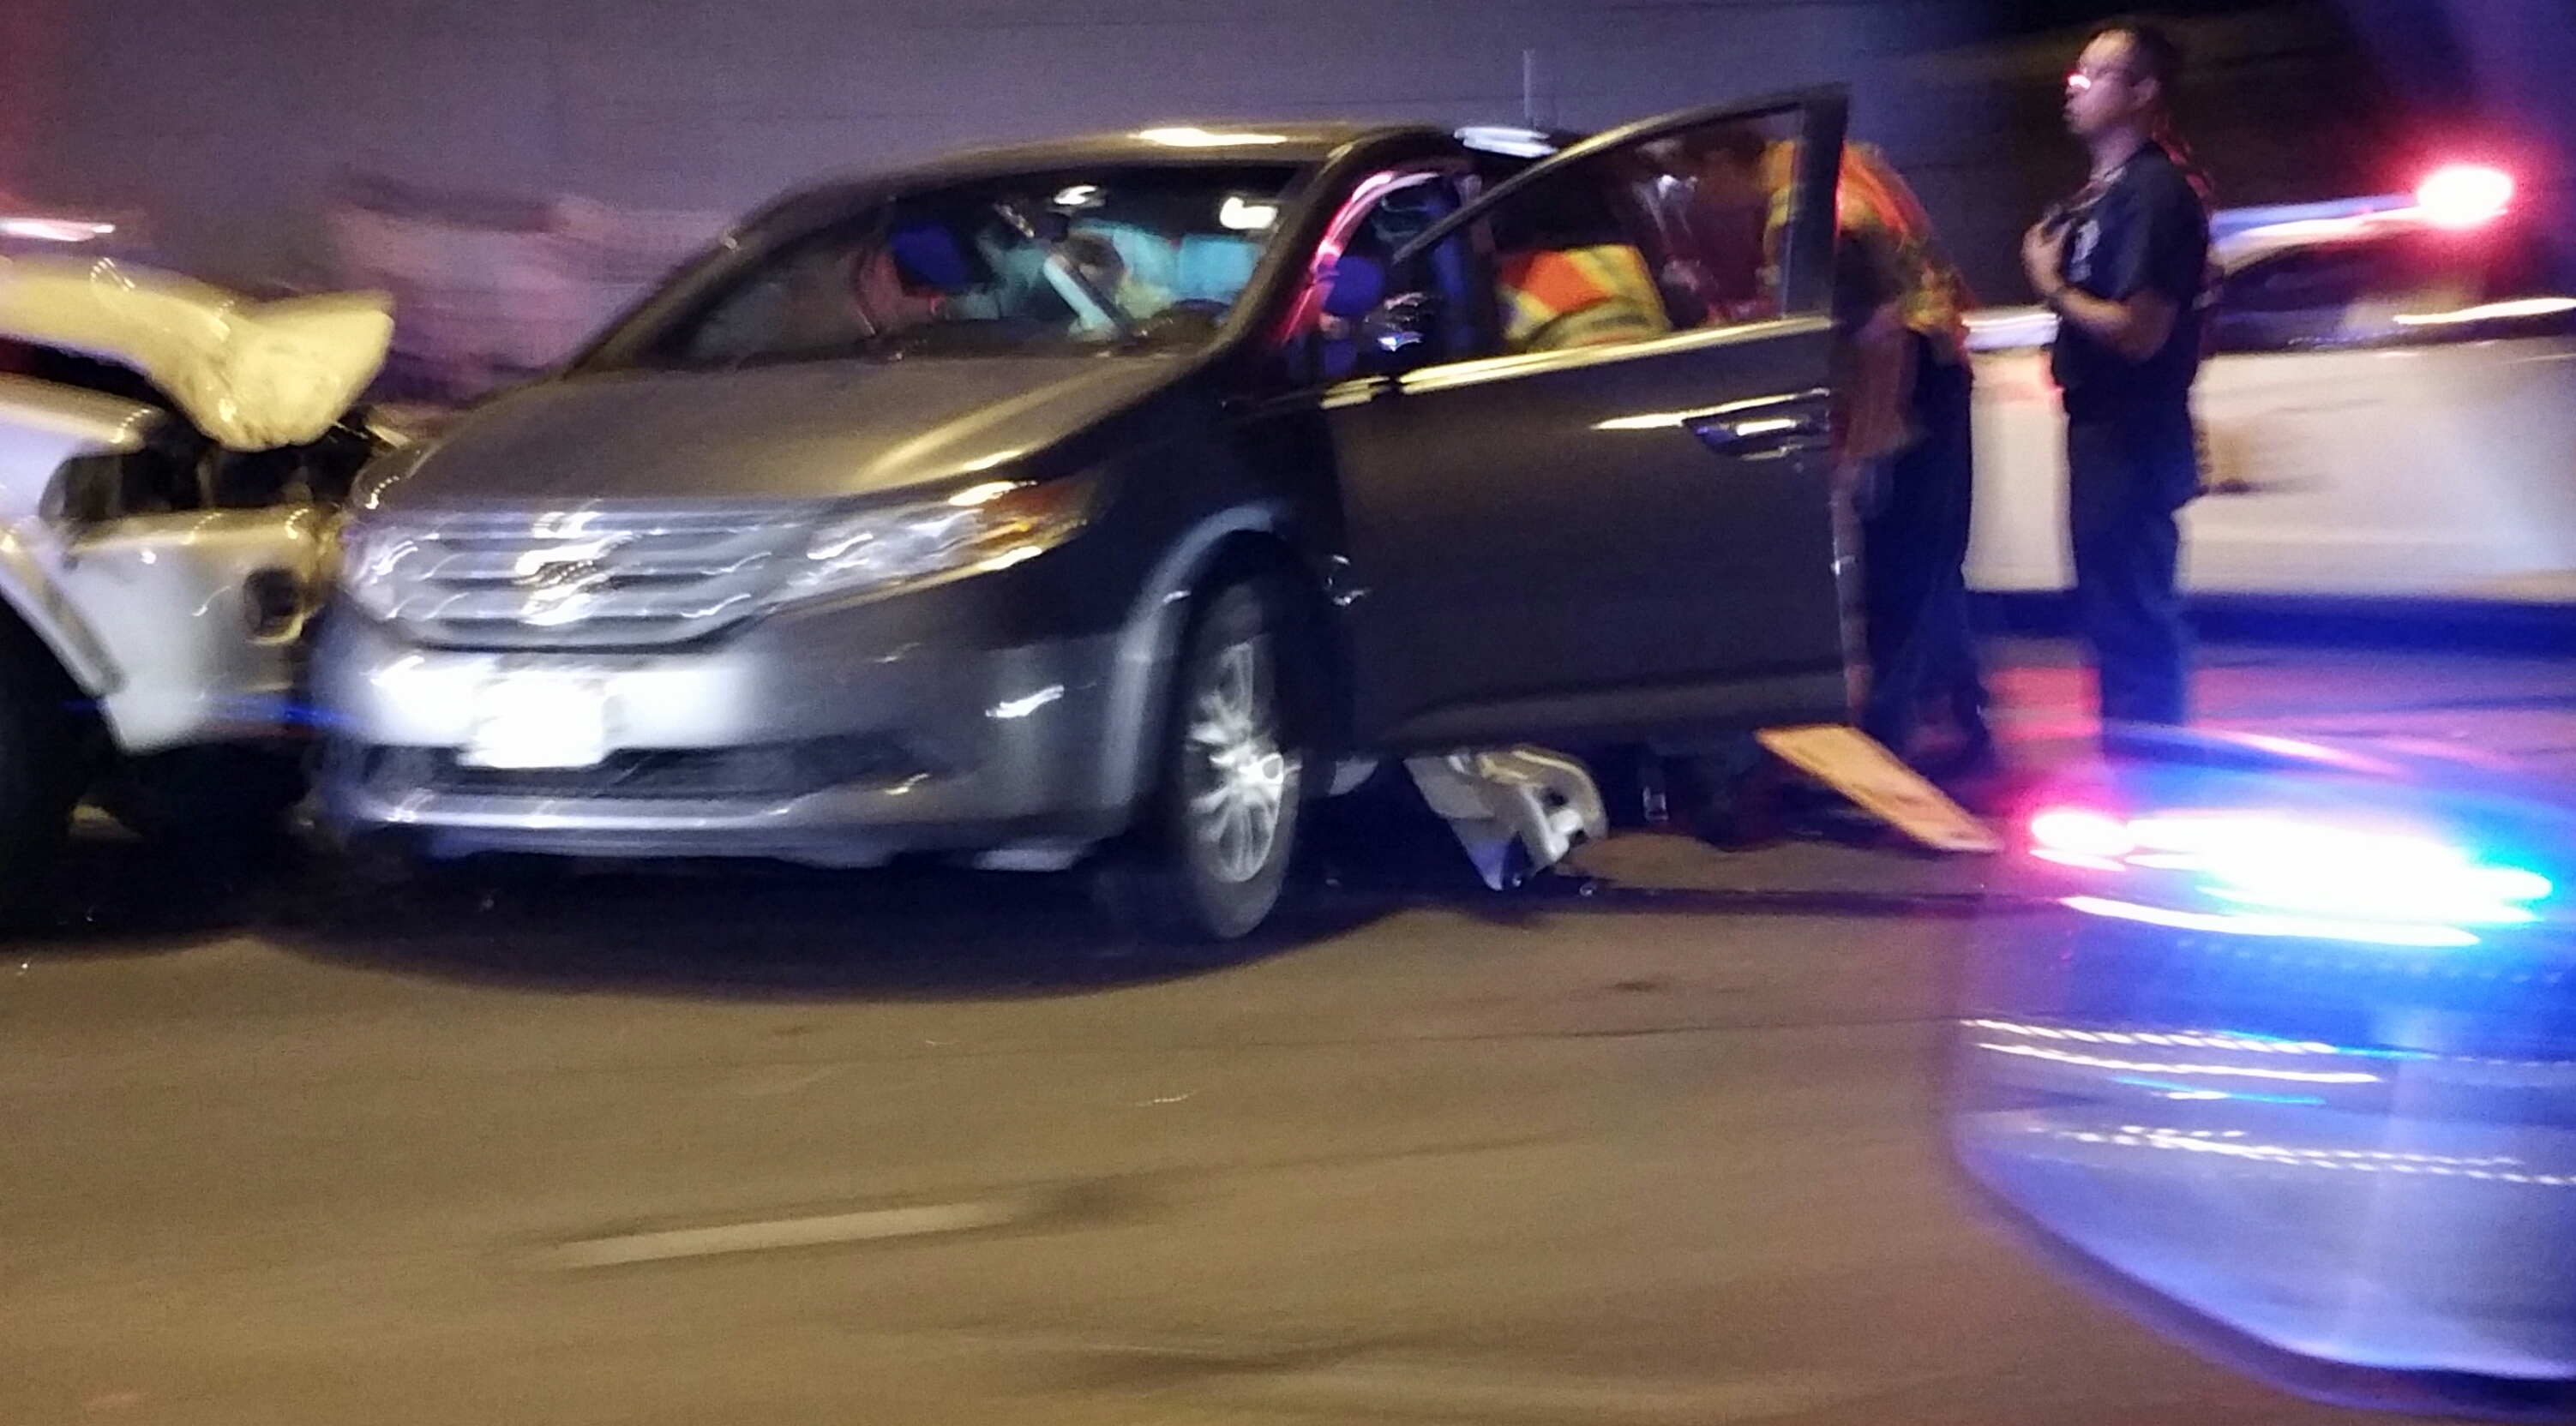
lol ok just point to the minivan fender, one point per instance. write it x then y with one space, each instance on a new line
1148 643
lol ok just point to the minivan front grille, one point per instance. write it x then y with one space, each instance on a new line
591 579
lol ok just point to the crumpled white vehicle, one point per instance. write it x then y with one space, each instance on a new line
251 376
172 457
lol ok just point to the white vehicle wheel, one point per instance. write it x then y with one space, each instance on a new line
41 759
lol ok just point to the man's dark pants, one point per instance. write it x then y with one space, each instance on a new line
2129 469
1912 551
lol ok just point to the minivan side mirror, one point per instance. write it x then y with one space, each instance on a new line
1397 332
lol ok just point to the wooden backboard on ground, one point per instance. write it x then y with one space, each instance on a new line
1854 764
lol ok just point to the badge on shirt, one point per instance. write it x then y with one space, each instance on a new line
2079 256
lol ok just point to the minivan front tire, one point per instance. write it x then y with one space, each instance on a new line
1209 858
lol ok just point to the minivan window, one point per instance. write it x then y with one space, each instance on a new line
1111 260
1651 238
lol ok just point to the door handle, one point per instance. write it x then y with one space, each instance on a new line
1760 437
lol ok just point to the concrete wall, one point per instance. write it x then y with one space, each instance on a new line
226 122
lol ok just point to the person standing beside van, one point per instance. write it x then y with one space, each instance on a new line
2123 265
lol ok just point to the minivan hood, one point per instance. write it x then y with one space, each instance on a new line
251 375
817 432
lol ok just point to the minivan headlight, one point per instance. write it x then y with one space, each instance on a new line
988 526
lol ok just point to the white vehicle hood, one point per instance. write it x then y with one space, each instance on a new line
2004 329
251 375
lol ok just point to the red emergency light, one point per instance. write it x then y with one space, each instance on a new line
2464 195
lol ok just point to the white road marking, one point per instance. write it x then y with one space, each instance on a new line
872 1225
1254 1374
782 1081
1470 1393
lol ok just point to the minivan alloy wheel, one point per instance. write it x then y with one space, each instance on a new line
1237 776
1209 857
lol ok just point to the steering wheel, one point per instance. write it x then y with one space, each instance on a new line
1190 318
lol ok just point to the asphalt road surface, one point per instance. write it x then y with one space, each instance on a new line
765 1147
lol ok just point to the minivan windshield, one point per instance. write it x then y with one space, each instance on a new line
1112 259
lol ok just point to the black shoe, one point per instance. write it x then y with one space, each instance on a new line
1726 801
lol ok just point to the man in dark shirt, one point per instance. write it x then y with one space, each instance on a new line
2123 265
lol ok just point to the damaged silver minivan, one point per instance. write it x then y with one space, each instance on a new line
172 459
1112 498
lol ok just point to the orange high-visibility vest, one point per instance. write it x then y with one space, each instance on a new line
1932 297
1577 297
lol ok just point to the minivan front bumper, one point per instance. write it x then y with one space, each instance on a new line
826 737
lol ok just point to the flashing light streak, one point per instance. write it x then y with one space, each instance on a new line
2105 1062
2463 195
2306 928
55 230
2278 865
2170 1039
2183 1092
2229 222
1509 142
2305 751
1189 137
2393 1156
2489 312
2074 832
2498 1168
2312 230
2287 878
